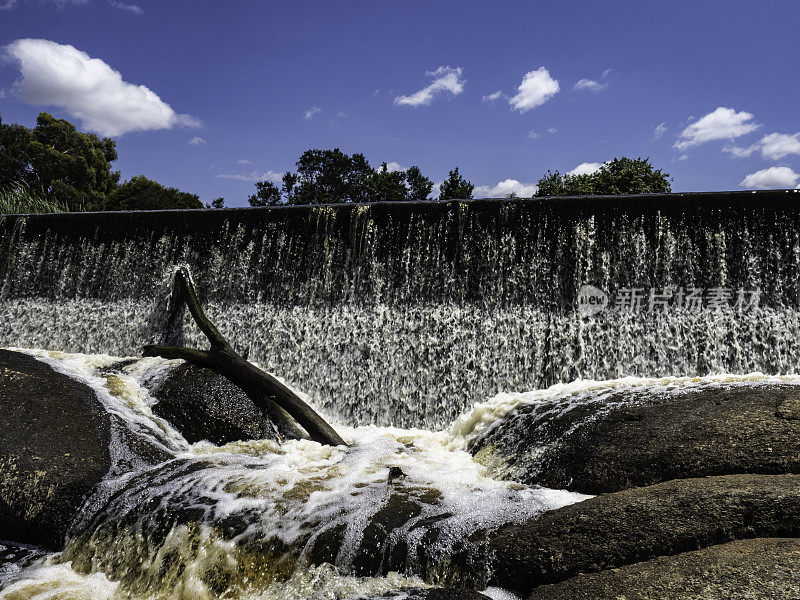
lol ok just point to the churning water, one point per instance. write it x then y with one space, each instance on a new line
258 519
250 519
395 320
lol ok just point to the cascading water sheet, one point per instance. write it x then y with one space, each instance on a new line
406 314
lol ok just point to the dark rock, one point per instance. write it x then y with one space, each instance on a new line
380 549
53 449
428 594
15 557
641 437
614 530
789 408
204 405
760 569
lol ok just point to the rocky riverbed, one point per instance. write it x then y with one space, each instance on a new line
146 478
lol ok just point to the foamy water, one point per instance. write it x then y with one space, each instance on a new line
247 519
286 494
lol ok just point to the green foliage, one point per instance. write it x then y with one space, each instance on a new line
20 199
141 193
267 194
216 203
58 162
331 176
387 186
455 187
419 186
620 176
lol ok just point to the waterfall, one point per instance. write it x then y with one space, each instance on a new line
405 314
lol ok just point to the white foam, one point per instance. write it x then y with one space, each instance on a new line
51 581
294 490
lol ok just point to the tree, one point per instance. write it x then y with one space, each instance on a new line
455 187
267 194
141 193
556 184
330 177
217 203
387 186
419 186
619 176
58 162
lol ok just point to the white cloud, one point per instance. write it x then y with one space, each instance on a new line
774 177
537 87
504 188
132 8
723 123
393 166
9 4
586 168
88 89
740 151
532 134
552 130
778 145
244 161
311 112
660 130
445 79
772 146
270 175
683 157
607 72
197 140
337 118
493 96
590 85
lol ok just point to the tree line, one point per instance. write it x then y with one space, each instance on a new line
61 167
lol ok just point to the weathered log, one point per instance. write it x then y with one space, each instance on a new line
222 358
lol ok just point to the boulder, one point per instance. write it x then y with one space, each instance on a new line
428 594
759 569
622 528
204 405
14 558
53 449
640 437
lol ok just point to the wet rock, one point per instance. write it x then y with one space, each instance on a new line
621 528
54 437
407 535
15 557
635 438
759 569
789 408
380 548
204 405
429 594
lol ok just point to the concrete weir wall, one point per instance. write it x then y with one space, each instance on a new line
406 313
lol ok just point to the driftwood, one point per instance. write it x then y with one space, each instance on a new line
222 358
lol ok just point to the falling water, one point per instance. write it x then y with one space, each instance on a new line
406 314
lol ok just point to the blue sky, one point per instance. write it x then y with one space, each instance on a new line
505 90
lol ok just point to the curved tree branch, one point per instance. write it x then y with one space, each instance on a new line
255 382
